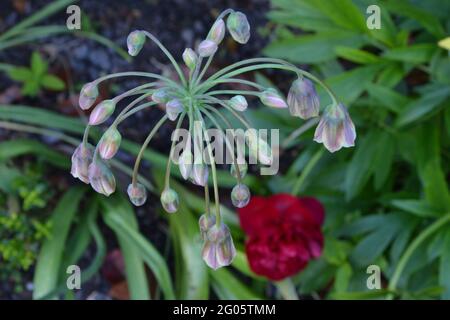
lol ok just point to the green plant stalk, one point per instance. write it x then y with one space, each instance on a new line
412 247
309 166
287 289
240 81
298 132
138 74
144 146
172 148
210 99
137 109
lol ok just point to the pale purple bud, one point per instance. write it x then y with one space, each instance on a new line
207 48
101 178
185 163
240 195
161 95
173 108
218 249
239 27
303 100
190 58
271 98
169 200
88 95
335 129
199 174
81 159
109 143
205 223
238 103
242 170
217 32
102 112
137 194
135 42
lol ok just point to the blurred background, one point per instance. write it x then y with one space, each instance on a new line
386 200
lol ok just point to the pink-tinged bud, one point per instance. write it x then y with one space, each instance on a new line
199 174
240 195
242 170
101 178
205 223
137 194
239 27
161 95
173 108
303 100
207 48
185 163
190 58
272 98
169 200
217 32
238 103
218 250
102 112
335 129
109 143
81 159
88 95
135 42
259 149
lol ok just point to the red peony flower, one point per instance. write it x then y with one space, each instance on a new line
283 234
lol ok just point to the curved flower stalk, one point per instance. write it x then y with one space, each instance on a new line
190 101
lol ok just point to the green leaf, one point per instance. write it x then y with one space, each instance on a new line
388 98
444 267
336 251
417 53
356 55
362 295
38 65
227 286
417 207
20 74
52 82
50 256
343 13
391 75
423 106
342 279
383 159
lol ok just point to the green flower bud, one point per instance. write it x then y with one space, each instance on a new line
190 58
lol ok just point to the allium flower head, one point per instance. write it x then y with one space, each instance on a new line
335 129
81 159
218 249
303 100
239 27
101 178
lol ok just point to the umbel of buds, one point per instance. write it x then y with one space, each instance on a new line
197 98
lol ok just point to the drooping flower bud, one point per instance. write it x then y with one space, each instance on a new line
205 223
109 143
259 148
218 250
303 100
169 200
199 174
207 48
185 163
190 58
238 103
335 129
242 170
135 42
161 95
173 108
102 112
271 98
101 178
88 95
217 32
240 195
137 194
239 27
81 159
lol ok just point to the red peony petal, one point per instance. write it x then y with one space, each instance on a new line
257 214
315 209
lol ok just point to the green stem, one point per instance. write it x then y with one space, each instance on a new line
144 146
209 99
309 166
172 147
412 247
287 289
298 132
137 74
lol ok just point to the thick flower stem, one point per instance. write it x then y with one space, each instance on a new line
410 250
172 147
287 289
309 166
144 146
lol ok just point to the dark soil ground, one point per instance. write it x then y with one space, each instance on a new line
177 23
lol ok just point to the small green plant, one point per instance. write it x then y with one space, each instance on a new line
36 77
